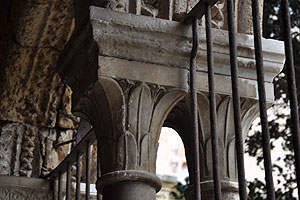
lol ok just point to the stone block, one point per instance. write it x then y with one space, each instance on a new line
30 96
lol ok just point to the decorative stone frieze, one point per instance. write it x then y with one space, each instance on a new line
21 188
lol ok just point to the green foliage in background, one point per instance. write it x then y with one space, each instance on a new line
180 189
279 124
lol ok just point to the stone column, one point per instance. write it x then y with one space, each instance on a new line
127 117
128 185
225 130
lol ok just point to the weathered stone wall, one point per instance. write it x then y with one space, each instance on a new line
28 151
37 31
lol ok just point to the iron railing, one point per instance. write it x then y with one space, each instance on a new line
204 8
83 147
192 19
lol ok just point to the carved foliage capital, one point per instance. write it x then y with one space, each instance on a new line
180 120
127 117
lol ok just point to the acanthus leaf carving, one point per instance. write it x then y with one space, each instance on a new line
127 151
140 110
126 116
144 154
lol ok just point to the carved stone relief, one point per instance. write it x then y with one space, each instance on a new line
28 151
11 135
217 15
150 8
177 9
13 193
127 117
116 5
179 119
29 155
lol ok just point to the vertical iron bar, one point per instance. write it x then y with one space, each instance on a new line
212 104
78 175
262 101
290 71
88 158
99 196
239 142
194 109
60 188
54 189
68 182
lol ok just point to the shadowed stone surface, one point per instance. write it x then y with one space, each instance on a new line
31 90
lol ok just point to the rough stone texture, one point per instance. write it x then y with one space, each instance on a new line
245 16
93 164
64 117
10 148
65 149
19 150
30 164
28 151
49 154
30 88
182 7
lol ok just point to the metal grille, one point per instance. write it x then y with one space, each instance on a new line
83 147
192 18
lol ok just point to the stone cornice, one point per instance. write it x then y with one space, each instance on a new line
151 43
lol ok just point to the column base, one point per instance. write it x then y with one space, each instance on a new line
230 191
129 185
